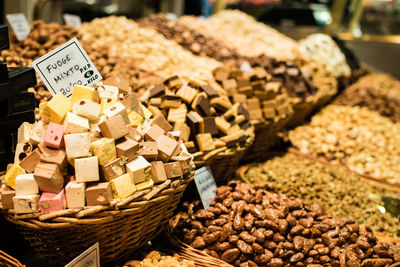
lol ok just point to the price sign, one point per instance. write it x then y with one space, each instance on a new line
205 184
20 25
89 258
73 20
66 66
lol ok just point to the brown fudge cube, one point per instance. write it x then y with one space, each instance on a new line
173 170
127 150
148 150
29 162
166 147
112 169
49 178
100 194
158 172
114 127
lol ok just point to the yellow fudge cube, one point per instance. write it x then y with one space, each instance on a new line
106 103
122 186
58 107
12 173
135 119
145 185
82 92
104 149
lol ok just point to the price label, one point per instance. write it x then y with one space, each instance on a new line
73 20
89 258
20 25
205 184
66 66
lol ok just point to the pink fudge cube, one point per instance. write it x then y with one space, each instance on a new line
54 135
49 202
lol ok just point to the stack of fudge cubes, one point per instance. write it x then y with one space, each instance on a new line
100 145
202 113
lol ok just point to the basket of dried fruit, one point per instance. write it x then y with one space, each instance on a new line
93 170
216 131
248 226
8 261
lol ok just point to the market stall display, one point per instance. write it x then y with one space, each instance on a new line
95 169
123 38
378 92
355 137
247 226
216 131
336 190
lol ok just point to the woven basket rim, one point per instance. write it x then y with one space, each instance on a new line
98 214
9 260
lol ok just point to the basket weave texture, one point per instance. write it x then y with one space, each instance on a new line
8 261
120 228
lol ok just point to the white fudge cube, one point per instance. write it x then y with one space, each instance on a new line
75 124
25 184
117 109
75 195
26 204
139 169
24 132
87 108
77 145
87 169
38 132
108 91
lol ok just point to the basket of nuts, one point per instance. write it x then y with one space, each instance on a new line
94 170
247 226
216 131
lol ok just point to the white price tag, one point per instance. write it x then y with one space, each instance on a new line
89 258
20 25
205 184
66 66
73 20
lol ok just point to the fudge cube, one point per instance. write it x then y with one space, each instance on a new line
115 110
26 204
114 127
24 132
187 93
87 169
127 150
132 102
75 124
122 186
21 151
152 133
173 170
38 133
77 145
118 82
48 177
177 114
25 184
205 142
166 147
30 161
6 198
82 92
148 150
139 170
50 202
58 107
54 135
108 92
145 185
162 122
87 108
12 173
135 133
55 156
183 129
104 149
100 194
135 119
113 169
146 113
106 103
158 172
75 195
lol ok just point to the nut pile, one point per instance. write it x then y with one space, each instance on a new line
250 38
265 99
42 39
12 59
190 39
356 137
123 38
379 92
155 259
337 191
204 115
321 47
247 226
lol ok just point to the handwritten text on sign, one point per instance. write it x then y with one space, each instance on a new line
19 24
205 184
66 66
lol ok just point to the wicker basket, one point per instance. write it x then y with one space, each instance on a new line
223 161
8 261
120 228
